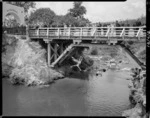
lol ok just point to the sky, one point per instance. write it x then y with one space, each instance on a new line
101 11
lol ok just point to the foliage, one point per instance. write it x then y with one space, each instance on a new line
69 20
25 5
59 21
148 38
142 54
137 95
94 51
129 22
27 62
78 10
8 44
83 22
113 54
42 17
46 17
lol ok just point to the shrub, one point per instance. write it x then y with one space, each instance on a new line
94 51
27 64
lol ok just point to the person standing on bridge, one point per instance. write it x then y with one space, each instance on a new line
65 29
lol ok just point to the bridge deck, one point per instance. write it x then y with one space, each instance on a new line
88 33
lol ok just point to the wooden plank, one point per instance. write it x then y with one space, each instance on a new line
61 48
55 51
49 53
67 49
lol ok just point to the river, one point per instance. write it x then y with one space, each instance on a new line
102 96
106 95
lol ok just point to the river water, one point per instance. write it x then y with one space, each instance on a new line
106 95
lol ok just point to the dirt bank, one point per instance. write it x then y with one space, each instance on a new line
24 62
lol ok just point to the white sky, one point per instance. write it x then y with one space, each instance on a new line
101 11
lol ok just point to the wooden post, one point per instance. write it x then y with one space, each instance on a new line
69 33
58 32
61 48
47 32
137 35
49 53
122 33
38 32
81 33
108 30
55 51
95 33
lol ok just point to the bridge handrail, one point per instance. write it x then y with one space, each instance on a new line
89 31
85 27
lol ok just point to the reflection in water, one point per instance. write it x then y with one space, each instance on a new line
105 95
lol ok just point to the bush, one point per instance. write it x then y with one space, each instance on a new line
94 51
27 64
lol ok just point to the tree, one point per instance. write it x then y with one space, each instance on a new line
59 21
83 22
78 10
70 20
42 16
117 24
138 23
25 5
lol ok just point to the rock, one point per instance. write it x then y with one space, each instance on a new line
132 113
98 73
137 95
130 84
126 69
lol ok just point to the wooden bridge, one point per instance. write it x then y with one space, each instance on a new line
89 33
62 41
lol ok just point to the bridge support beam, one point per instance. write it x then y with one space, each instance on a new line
49 53
61 48
54 50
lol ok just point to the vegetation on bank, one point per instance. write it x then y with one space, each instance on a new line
94 51
138 49
24 62
137 95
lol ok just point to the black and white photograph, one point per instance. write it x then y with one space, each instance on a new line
74 58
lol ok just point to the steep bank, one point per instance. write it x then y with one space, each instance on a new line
24 62
137 95
138 49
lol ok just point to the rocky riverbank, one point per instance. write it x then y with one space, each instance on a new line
137 95
24 62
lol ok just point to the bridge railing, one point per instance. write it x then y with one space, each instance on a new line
81 32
